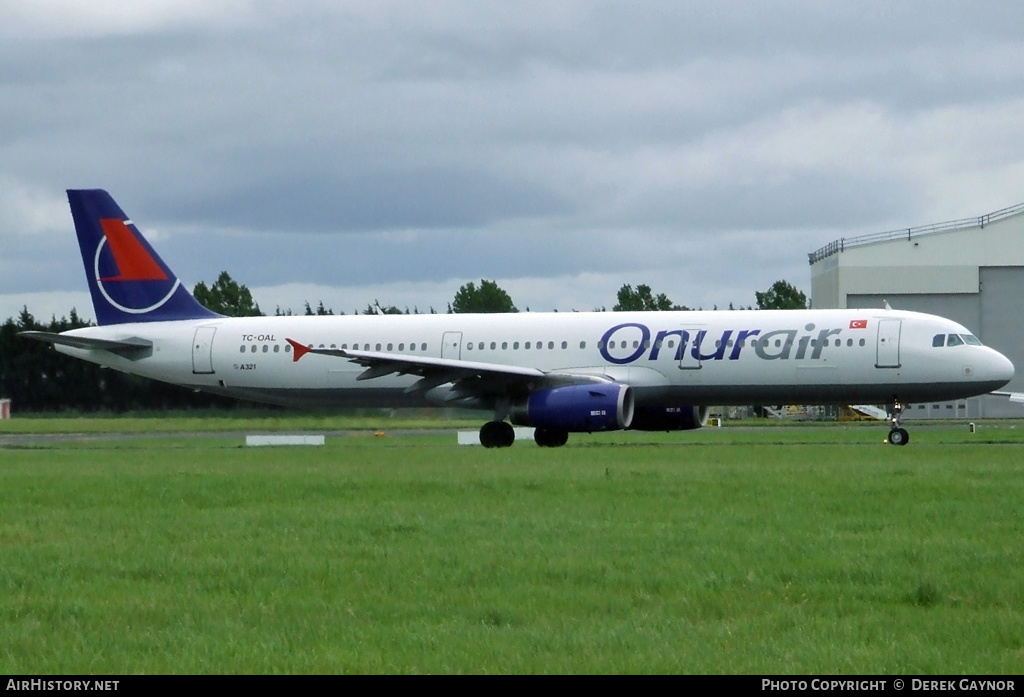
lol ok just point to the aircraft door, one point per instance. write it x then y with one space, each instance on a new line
888 347
689 359
202 351
451 345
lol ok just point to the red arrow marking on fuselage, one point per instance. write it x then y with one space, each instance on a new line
300 349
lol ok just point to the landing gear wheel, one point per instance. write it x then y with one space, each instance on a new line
550 437
899 436
497 434
508 435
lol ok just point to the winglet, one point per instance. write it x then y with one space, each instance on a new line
300 349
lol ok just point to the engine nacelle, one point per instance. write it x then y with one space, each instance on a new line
576 408
682 418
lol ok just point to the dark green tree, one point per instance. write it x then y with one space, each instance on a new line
489 297
226 297
320 310
781 296
642 299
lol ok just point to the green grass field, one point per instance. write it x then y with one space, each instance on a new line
734 550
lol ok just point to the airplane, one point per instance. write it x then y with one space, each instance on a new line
560 373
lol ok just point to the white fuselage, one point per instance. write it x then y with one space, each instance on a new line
703 357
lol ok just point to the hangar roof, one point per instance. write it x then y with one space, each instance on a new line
910 233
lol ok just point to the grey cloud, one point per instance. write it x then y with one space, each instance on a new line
460 140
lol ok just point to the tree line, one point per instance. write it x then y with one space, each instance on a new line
39 379
227 297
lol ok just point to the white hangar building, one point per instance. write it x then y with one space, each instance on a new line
970 271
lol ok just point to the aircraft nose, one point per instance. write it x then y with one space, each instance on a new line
1000 368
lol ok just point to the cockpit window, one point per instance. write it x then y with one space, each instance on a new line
955 340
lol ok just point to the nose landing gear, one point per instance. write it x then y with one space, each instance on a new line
897 434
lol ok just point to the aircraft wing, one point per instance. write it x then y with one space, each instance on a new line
131 345
1017 397
471 378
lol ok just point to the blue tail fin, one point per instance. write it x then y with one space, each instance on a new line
128 280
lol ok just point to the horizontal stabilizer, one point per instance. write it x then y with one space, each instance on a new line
123 347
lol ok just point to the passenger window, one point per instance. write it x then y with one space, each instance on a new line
565 344
504 345
401 347
423 347
862 342
583 344
469 346
287 348
277 348
515 346
526 345
551 344
390 346
241 349
493 345
939 340
266 348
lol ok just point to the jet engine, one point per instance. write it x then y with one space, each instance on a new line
669 418
576 408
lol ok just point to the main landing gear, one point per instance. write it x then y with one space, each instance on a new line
497 434
897 434
547 437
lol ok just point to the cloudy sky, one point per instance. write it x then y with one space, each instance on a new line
350 151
